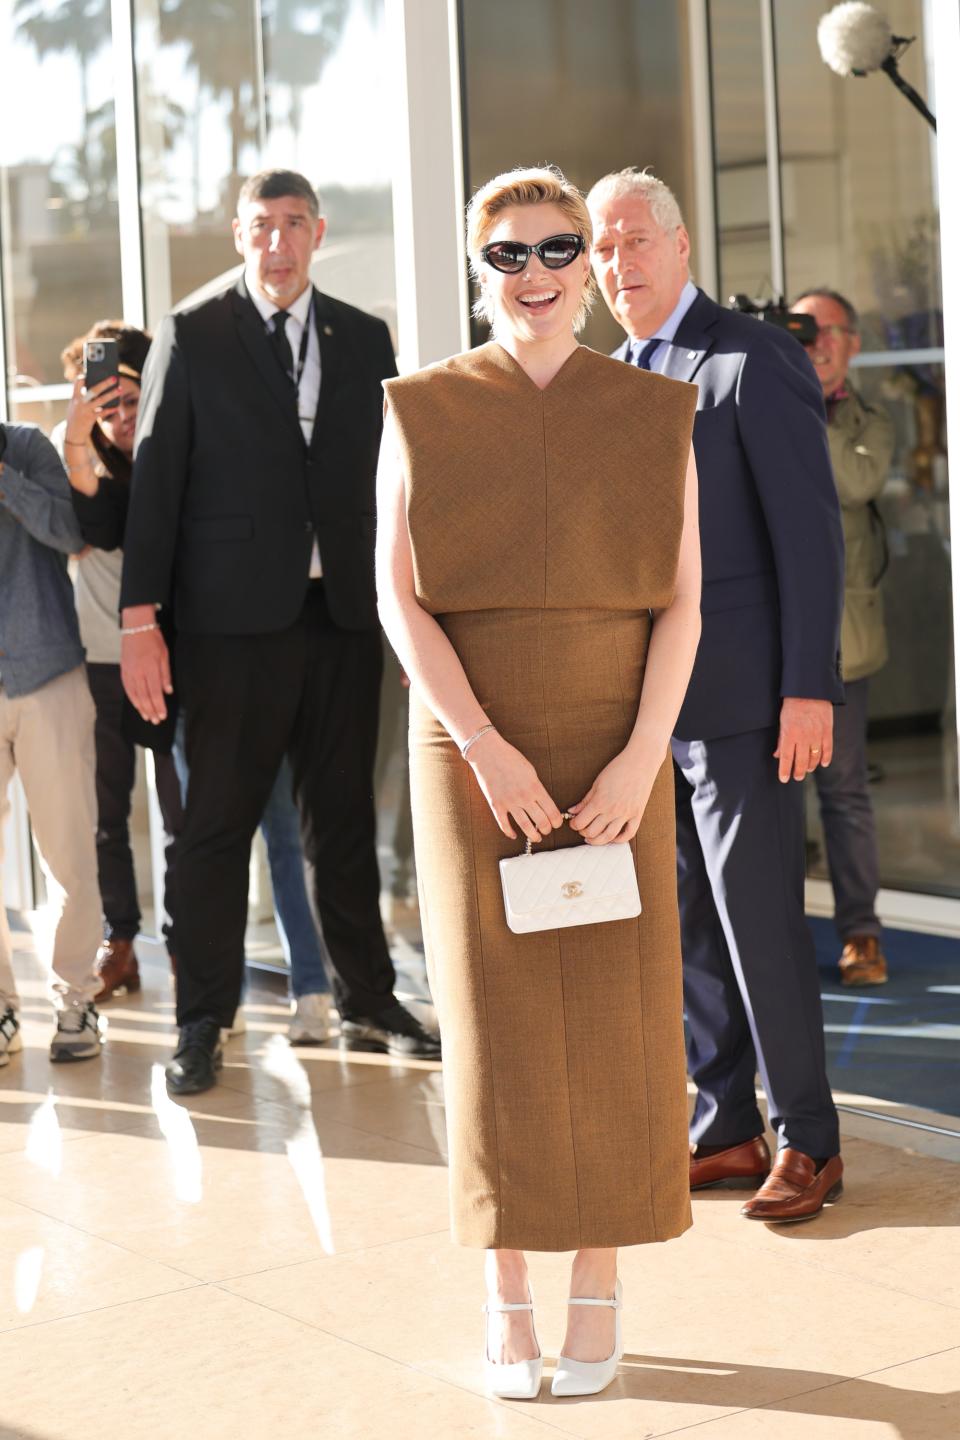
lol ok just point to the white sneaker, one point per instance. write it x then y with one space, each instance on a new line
77 1036
10 1038
311 1020
239 1026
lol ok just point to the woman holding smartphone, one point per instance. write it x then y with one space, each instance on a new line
96 443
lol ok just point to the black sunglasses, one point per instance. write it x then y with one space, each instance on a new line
511 256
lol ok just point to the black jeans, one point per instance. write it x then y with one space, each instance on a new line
116 773
310 692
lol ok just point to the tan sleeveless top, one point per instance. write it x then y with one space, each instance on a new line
566 498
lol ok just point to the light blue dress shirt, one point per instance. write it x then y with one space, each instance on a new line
666 331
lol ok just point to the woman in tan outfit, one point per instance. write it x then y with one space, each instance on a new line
539 578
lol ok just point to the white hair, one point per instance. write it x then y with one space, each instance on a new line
643 185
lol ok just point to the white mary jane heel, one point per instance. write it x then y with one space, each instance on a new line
520 1381
589 1377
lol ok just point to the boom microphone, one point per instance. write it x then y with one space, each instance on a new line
855 39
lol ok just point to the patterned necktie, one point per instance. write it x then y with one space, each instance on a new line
645 353
281 344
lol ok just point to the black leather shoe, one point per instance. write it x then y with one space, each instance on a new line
394 1030
197 1058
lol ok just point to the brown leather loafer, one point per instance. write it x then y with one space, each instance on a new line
862 961
116 965
740 1167
795 1189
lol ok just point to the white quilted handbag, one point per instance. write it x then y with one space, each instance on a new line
579 885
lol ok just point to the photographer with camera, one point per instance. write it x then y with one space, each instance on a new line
46 731
758 716
861 448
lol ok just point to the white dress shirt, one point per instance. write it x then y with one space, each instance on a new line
308 391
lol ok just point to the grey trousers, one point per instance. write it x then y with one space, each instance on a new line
848 822
47 737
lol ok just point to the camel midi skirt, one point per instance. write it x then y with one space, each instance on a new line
564 1069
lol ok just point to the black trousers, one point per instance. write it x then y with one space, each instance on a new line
310 692
849 826
116 774
750 978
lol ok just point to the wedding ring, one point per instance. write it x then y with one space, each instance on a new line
814 749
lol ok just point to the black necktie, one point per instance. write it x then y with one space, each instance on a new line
281 344
645 353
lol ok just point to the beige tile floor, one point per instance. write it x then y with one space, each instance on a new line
272 1260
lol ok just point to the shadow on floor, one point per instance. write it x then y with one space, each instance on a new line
910 1414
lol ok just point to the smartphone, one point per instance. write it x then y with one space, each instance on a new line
101 361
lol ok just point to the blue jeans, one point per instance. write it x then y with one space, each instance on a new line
299 936
300 939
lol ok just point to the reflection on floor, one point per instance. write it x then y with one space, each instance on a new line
897 1041
272 1259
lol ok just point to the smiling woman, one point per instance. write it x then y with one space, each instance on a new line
502 219
527 636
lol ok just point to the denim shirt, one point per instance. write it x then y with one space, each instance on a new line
39 635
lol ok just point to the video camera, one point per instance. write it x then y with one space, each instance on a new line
774 312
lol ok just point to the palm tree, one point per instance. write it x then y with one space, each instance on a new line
55 27
206 28
298 40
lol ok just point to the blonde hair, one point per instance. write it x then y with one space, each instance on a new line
533 185
643 185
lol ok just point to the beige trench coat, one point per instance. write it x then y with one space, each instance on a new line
861 448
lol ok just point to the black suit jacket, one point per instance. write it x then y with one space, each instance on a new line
770 530
226 496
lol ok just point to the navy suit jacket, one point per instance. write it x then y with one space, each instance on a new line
770 529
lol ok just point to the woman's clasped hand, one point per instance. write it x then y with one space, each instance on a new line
612 809
610 812
512 788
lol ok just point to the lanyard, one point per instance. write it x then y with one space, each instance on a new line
304 342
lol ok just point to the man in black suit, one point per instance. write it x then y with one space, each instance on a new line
759 711
252 516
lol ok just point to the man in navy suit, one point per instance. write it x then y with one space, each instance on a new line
758 716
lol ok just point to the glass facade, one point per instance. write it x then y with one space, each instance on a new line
222 90
611 87
861 216
227 87
58 189
739 147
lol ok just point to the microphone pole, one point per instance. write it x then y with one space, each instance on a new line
890 67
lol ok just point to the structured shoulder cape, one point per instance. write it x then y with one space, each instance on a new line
557 488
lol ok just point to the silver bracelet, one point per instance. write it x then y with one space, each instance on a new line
139 629
484 730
